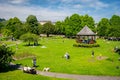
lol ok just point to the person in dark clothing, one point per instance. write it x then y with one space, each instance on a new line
34 62
92 53
67 56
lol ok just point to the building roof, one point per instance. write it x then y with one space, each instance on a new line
86 31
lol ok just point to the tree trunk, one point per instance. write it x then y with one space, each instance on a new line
29 43
47 35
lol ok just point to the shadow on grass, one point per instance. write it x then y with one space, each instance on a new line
10 67
32 45
36 66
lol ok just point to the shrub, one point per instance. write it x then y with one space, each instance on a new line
5 56
117 50
86 45
109 59
23 55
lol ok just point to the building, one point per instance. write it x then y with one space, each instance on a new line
86 35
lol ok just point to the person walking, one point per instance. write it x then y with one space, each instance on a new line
34 62
92 53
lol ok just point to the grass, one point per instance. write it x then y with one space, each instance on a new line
80 61
19 75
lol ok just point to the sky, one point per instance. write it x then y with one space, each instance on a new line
58 10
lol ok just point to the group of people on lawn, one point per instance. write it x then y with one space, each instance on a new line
28 69
32 70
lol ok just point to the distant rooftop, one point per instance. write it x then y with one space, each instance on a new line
45 21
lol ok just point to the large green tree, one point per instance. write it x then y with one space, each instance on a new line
5 56
1 26
114 29
2 19
89 21
72 25
110 28
58 28
75 23
14 25
30 37
32 25
48 28
102 27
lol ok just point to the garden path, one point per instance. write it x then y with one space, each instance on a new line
77 77
73 76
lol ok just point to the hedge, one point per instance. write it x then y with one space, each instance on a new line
86 45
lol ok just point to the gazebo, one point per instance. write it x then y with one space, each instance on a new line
86 35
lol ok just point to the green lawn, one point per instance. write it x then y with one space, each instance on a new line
80 61
19 75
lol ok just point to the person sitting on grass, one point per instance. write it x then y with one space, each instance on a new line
30 70
26 69
67 56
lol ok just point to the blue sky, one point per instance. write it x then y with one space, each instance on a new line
55 10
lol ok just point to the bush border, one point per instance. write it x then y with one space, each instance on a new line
86 45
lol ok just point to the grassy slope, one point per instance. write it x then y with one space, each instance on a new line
80 62
19 75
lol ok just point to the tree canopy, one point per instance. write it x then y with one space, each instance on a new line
5 56
48 28
14 26
30 37
32 24
73 24
109 27
102 27
70 26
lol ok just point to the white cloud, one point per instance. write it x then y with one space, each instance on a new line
8 11
78 6
67 1
97 4
17 1
94 8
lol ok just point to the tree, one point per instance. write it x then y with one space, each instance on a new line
30 37
5 56
48 28
58 27
115 20
75 23
32 24
89 21
6 32
114 29
2 19
72 25
102 27
15 27
1 26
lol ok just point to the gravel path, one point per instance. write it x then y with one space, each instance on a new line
72 76
77 77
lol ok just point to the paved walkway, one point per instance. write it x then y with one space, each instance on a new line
72 76
77 77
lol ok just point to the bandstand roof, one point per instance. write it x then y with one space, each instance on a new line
86 31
